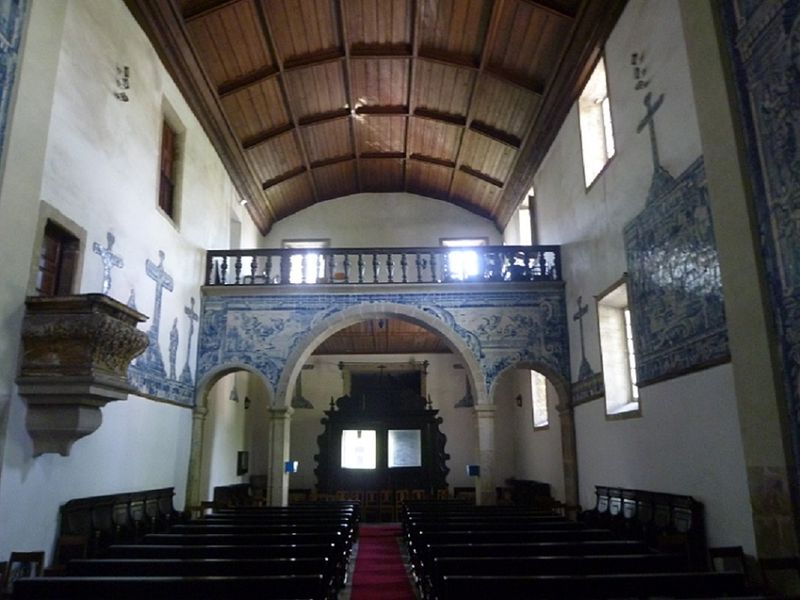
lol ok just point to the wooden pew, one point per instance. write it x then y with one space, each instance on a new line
629 585
155 551
285 587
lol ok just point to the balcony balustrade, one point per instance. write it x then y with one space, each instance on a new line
401 266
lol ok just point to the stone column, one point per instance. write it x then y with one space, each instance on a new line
569 451
196 457
759 395
485 493
280 420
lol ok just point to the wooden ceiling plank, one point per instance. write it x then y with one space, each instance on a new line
270 40
448 59
491 34
552 9
416 20
312 60
348 85
536 89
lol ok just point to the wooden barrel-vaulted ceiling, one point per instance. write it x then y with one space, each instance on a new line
307 100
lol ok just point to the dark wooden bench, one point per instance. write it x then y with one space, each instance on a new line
154 551
629 585
286 587
218 567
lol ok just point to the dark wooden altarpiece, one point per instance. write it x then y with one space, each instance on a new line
382 414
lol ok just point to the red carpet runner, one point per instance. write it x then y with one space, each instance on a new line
379 572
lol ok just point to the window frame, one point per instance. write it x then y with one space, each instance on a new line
306 244
459 245
583 101
170 122
622 396
542 384
66 260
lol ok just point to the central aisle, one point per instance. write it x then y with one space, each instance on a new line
379 572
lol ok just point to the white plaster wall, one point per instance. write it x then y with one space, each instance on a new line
537 453
382 220
224 434
687 442
94 160
687 439
445 385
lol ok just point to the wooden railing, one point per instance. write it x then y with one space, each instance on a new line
382 265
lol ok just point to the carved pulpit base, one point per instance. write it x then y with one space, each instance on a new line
76 353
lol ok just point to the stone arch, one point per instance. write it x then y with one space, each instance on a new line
210 378
566 417
199 413
354 314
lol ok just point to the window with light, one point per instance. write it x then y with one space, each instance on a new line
618 352
359 449
597 132
308 267
463 264
539 400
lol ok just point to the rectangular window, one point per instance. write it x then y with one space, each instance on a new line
306 267
617 351
597 132
58 259
405 448
358 449
168 170
539 400
463 264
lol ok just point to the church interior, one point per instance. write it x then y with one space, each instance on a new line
348 248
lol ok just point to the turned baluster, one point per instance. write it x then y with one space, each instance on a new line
331 264
224 268
542 266
390 267
285 267
419 267
268 269
346 267
433 267
375 268
253 269
361 268
404 267
237 267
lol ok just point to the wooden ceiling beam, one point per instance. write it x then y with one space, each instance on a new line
537 89
378 51
416 25
206 8
229 88
332 161
552 8
488 43
370 155
448 59
342 113
434 115
269 38
497 135
348 87
312 60
283 177
265 136
440 162
386 111
482 176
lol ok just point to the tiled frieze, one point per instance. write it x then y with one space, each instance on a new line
499 328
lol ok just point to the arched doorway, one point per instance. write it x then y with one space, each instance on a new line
230 435
404 359
533 409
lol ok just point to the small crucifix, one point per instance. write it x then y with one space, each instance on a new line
109 260
186 375
585 368
157 273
